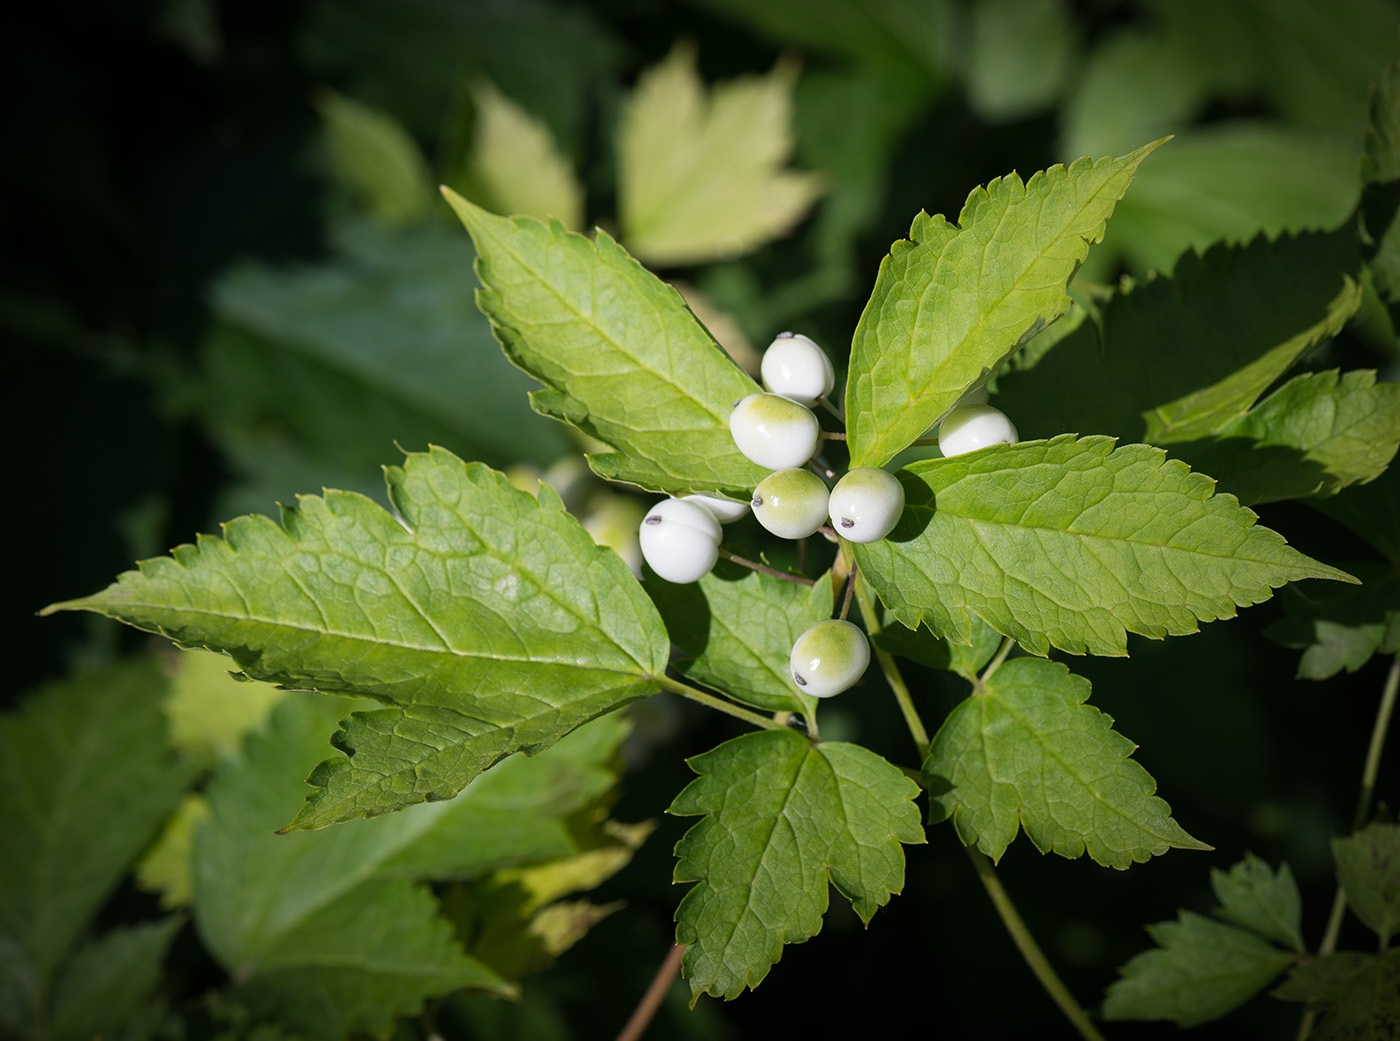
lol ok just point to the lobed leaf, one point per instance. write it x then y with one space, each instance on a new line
487 620
1200 970
1072 543
672 207
953 302
782 819
1357 994
1025 751
1252 895
624 359
737 626
1368 868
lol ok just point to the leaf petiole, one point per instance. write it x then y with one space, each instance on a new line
718 704
891 670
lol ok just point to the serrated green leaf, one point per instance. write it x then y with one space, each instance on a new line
625 360
737 627
936 652
488 619
1025 751
1315 435
376 158
1368 867
1071 543
1358 994
209 709
782 819
517 164
67 833
953 302
1342 628
1254 896
1232 320
673 207
1200 970
110 980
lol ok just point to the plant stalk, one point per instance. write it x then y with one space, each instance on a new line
642 1015
891 669
754 565
718 704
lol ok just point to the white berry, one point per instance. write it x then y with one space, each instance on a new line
725 510
828 658
967 429
680 540
866 504
976 396
773 431
797 368
791 503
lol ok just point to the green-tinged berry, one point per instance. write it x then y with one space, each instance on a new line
866 504
976 426
829 657
795 367
791 503
680 540
773 431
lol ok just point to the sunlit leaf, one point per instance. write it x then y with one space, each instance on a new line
517 163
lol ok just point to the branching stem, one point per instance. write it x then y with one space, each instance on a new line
754 565
718 704
890 668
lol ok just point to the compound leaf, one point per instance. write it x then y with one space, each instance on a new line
737 628
1318 433
1357 994
488 621
1072 543
1368 867
625 360
1025 751
1268 903
953 302
1200 970
672 207
782 819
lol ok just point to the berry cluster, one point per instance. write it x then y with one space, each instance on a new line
778 430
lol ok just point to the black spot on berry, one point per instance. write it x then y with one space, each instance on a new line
757 501
652 520
800 681
846 522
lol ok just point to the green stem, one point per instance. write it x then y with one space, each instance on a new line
1030 951
1369 772
718 704
1006 645
891 669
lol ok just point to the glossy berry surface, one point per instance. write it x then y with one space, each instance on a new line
976 426
828 658
866 504
679 540
724 510
795 367
773 431
791 503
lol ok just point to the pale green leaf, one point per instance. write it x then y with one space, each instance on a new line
1200 970
517 163
1342 628
1020 54
1368 867
1315 435
209 709
625 359
1252 895
487 619
1025 751
68 834
737 627
782 819
700 176
1357 994
953 302
376 158
1071 543
164 869
110 980
1231 322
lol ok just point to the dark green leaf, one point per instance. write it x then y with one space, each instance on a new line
1020 55
1268 903
1380 199
1025 751
488 621
782 819
1200 970
1368 867
626 360
1341 628
1071 543
953 302
737 627
1358 994
1372 511
936 652
110 980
